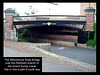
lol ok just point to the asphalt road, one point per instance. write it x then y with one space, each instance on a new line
47 66
81 54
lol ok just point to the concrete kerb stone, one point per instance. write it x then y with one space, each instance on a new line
81 65
85 46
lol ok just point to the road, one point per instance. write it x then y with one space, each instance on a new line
47 66
81 54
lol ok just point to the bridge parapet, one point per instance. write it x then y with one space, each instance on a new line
50 17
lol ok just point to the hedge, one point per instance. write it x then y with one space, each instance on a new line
92 42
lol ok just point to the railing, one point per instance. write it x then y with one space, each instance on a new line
50 17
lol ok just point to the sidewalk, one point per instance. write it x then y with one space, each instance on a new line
25 47
47 66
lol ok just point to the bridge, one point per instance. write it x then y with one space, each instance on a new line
49 28
70 21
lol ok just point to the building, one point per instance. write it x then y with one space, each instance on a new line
42 9
83 6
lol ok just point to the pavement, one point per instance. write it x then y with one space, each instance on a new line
47 66
8 52
80 54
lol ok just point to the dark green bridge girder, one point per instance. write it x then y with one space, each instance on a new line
70 24
70 21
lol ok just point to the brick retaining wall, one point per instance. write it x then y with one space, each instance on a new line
55 42
68 38
59 36
55 38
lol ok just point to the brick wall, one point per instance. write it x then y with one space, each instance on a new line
59 36
90 22
9 32
8 27
9 22
57 39
55 42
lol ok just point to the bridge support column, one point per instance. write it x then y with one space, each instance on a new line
9 30
89 18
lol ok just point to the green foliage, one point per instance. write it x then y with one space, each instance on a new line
18 18
20 36
92 42
23 34
16 14
88 34
94 27
89 42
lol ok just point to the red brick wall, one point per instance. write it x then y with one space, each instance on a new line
59 36
65 31
9 18
55 36
89 22
8 26
9 22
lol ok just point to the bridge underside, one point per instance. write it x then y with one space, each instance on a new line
52 33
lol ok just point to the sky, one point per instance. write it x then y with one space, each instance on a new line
45 8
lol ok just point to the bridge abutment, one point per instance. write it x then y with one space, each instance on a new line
89 18
9 30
